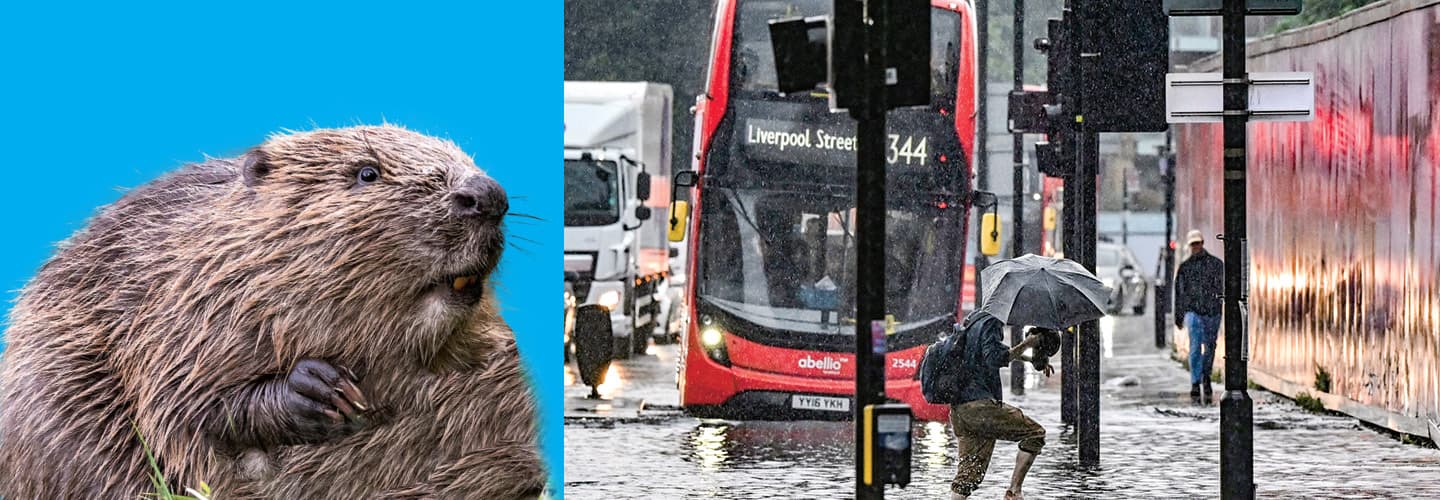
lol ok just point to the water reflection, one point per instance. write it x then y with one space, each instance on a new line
614 381
707 446
1107 335
934 443
716 445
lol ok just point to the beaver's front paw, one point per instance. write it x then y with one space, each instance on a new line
321 401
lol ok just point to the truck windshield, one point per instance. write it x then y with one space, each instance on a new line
785 260
592 195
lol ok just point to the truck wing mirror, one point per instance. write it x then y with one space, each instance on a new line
642 186
679 215
642 212
686 178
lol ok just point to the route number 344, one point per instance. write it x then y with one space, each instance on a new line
910 150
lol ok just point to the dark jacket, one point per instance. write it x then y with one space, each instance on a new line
1198 286
985 354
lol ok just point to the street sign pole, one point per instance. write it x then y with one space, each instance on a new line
1017 198
1275 97
1236 412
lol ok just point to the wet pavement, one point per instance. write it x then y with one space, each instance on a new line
1154 442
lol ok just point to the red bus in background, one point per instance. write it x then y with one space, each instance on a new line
770 330
1052 205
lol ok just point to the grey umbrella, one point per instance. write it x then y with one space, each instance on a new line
1042 291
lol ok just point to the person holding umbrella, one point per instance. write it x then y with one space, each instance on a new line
1048 294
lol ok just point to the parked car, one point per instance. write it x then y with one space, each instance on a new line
1118 268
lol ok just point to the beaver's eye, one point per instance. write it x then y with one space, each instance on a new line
368 175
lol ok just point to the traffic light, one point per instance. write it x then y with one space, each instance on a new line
1125 55
1055 156
907 47
800 53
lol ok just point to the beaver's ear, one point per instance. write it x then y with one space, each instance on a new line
254 167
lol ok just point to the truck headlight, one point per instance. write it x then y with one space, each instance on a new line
609 300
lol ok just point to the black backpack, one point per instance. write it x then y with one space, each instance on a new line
945 369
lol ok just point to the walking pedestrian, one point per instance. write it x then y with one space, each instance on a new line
1198 287
981 416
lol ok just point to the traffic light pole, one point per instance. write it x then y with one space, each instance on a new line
982 132
1067 337
870 235
1236 417
1017 240
1087 339
1069 54
1165 276
1087 342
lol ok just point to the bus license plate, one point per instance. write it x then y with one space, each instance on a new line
819 403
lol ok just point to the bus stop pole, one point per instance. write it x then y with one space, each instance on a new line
870 236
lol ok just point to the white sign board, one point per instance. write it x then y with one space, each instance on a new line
1274 97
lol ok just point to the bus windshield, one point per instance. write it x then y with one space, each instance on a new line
753 59
592 195
786 259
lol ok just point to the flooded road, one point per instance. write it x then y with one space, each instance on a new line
1155 443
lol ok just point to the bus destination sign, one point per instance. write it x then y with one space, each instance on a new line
825 144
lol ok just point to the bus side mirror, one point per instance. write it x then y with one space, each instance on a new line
679 215
1049 218
989 234
642 186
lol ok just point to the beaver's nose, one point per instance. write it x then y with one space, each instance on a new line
480 198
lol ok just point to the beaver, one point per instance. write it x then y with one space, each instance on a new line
311 319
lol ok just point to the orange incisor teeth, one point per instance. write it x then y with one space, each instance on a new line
462 282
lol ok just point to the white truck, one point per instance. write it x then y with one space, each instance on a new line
617 183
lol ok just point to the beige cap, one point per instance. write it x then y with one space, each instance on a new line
1193 237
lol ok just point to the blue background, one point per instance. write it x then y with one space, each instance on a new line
95 99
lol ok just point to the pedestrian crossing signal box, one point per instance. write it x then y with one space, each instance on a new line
887 444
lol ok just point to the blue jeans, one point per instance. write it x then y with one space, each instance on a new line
1203 330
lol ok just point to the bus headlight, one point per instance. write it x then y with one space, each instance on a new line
609 300
712 340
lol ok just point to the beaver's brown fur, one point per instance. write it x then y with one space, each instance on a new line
181 310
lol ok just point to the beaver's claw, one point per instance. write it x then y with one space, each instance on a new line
324 400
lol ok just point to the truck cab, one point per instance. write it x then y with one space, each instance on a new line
617 155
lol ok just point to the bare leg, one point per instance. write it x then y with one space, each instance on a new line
1023 459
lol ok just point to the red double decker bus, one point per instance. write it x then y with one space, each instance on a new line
771 323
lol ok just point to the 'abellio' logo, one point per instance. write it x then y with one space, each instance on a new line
826 364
